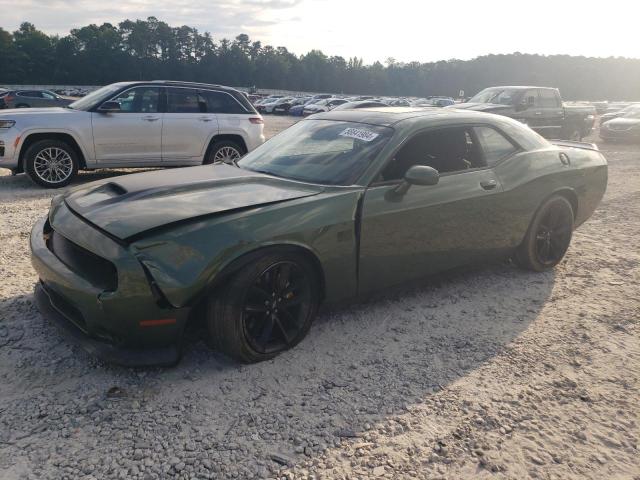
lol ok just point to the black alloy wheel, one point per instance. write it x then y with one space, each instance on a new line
276 308
548 237
265 308
553 236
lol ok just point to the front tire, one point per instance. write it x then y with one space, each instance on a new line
51 163
548 237
224 152
266 308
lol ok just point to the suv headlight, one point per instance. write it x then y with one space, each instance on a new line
7 123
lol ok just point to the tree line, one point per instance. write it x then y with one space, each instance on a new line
152 49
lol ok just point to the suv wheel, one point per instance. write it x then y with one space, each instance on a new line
224 152
51 163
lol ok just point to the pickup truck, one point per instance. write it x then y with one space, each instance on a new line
541 108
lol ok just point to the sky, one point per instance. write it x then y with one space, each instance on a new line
406 30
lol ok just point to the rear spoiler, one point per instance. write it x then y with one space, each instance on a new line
572 144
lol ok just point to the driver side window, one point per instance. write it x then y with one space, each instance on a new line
139 100
452 149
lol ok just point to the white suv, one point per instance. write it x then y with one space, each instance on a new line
132 124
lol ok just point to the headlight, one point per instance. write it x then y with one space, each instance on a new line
7 123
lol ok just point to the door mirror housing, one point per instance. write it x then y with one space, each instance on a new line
417 175
422 175
109 107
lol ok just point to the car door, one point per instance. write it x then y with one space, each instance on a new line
552 116
233 118
528 109
430 228
132 135
188 126
32 98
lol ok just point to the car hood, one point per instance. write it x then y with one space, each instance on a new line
623 122
130 205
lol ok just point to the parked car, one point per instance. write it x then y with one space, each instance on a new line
360 104
539 107
297 110
344 203
624 127
399 102
32 99
322 106
610 116
130 124
284 107
269 99
441 101
269 107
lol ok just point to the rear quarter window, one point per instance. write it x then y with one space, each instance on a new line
494 145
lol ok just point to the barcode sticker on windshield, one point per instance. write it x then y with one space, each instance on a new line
359 134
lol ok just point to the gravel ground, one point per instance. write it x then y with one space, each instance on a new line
492 372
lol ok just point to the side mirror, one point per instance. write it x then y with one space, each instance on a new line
422 175
109 107
418 175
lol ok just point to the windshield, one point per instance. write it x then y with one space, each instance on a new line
96 97
503 96
319 151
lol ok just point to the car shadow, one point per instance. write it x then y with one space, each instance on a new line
359 366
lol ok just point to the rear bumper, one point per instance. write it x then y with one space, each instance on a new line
125 326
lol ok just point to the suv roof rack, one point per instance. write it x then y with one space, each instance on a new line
178 82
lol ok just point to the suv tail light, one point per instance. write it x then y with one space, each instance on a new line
7 98
256 120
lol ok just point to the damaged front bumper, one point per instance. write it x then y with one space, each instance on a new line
120 321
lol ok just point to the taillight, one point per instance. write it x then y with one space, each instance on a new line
256 120
7 98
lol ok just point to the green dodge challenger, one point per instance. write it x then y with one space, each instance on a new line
339 205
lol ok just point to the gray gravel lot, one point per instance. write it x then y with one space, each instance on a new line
493 372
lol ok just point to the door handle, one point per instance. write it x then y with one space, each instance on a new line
205 119
538 113
151 119
488 184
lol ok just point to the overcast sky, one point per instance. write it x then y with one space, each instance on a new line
375 30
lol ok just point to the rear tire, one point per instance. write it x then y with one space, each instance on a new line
51 163
266 308
224 151
548 236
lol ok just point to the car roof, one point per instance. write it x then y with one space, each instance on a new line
388 116
176 83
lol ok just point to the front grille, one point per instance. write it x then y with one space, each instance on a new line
96 270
